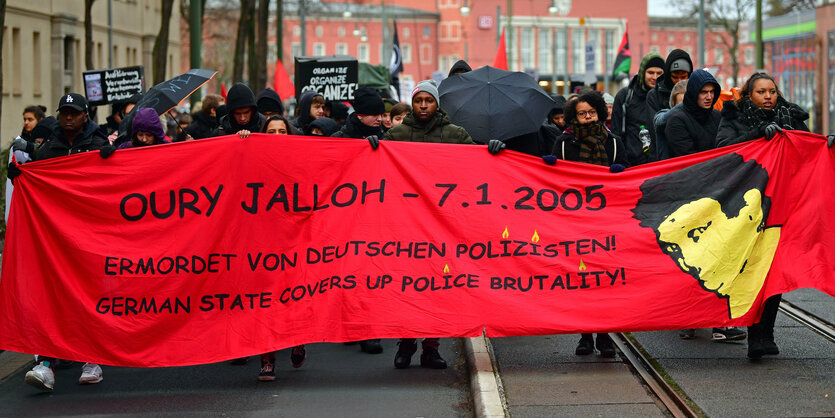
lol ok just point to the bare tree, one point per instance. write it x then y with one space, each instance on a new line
88 34
184 9
261 48
782 7
160 52
240 40
2 22
727 15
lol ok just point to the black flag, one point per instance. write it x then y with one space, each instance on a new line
396 65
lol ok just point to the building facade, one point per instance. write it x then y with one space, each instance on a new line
43 51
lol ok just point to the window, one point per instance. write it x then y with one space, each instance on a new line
115 56
561 48
611 48
654 37
426 54
69 53
527 48
319 31
427 31
406 32
17 63
296 49
578 54
717 56
594 34
319 48
297 30
718 38
362 53
749 56
36 63
406 52
546 51
450 31
686 37
669 49
341 48
654 48
445 4
128 61
341 32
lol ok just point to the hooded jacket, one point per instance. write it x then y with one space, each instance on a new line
327 125
229 126
659 97
557 109
305 101
732 130
146 120
90 139
460 65
630 111
691 128
203 126
438 129
268 99
354 128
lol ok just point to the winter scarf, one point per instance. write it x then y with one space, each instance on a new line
592 138
754 116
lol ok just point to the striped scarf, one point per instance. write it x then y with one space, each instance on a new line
592 138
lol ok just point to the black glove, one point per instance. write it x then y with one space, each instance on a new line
771 129
12 171
830 140
550 159
494 146
373 140
107 151
616 168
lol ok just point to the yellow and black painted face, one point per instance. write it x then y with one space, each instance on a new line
729 256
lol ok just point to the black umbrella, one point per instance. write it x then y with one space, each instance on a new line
495 104
167 95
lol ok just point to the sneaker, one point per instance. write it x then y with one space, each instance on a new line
687 334
585 346
605 346
297 356
770 348
90 374
267 373
41 376
431 359
755 349
406 349
371 346
728 334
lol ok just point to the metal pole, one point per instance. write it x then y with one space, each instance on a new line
386 58
760 62
498 27
510 46
702 33
110 33
195 27
302 11
566 82
554 58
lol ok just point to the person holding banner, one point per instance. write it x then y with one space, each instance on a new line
365 122
311 107
278 125
75 134
761 111
586 139
243 117
147 130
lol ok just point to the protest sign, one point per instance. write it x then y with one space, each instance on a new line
335 77
112 85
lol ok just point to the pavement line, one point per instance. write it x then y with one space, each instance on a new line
484 379
11 363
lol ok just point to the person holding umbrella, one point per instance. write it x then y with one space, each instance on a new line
147 130
427 122
586 139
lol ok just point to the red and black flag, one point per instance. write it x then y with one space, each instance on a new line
624 59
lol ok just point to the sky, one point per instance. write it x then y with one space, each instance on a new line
661 8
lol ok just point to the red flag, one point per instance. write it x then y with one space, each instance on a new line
339 242
223 90
500 61
282 83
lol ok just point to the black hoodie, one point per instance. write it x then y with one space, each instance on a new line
458 66
692 128
269 100
327 125
659 97
302 122
354 128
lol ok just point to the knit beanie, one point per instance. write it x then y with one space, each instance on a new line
239 96
427 86
608 98
368 101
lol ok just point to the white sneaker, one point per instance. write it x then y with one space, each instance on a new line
41 377
90 374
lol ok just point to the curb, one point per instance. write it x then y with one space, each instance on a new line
485 382
11 363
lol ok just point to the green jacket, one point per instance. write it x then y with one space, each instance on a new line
439 129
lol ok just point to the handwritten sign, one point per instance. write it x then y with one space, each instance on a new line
334 77
112 85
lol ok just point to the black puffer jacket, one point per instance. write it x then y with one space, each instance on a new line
203 126
90 139
732 130
691 128
354 128
228 126
567 147
637 113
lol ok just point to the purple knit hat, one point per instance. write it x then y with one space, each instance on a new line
147 120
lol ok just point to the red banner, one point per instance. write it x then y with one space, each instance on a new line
201 251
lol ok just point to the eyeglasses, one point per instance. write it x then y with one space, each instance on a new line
589 114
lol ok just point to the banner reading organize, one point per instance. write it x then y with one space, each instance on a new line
202 251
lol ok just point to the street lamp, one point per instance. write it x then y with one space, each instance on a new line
465 10
346 14
552 9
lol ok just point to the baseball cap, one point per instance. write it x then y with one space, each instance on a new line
74 101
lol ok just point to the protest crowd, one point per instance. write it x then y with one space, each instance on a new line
667 110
